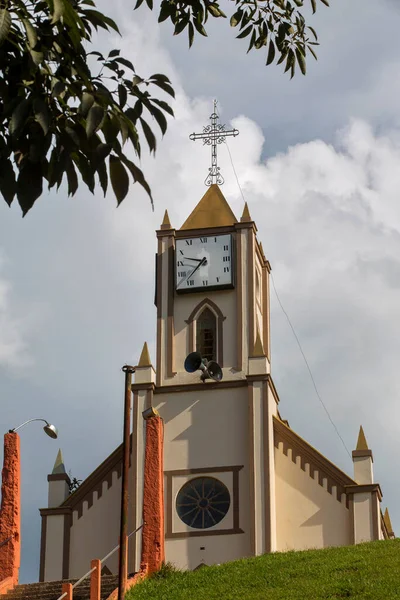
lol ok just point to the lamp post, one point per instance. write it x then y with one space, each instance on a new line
10 511
123 536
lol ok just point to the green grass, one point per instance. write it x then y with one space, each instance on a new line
368 571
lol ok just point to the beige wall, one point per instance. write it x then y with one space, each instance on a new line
363 472
96 532
188 553
307 516
363 527
215 423
54 547
58 492
184 305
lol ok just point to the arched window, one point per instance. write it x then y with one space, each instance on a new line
206 334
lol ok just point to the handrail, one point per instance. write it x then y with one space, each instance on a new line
7 540
101 562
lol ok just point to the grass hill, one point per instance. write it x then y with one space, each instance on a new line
366 572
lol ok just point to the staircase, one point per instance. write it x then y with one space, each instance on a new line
52 590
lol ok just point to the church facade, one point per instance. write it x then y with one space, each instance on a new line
237 480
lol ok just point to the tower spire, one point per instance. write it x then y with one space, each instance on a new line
212 135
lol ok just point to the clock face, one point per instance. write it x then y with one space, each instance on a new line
204 262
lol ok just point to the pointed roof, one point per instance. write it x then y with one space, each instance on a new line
212 211
144 360
166 222
258 349
387 521
245 218
361 442
59 466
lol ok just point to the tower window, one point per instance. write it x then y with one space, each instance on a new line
206 334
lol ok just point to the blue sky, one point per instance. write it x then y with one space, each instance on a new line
318 161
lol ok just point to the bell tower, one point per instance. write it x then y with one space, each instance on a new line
212 297
212 293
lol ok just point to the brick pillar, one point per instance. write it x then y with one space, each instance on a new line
153 496
10 511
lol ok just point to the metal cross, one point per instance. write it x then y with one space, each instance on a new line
212 135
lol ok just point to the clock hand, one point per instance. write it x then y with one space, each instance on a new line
202 262
196 259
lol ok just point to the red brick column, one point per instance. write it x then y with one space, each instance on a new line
10 511
153 496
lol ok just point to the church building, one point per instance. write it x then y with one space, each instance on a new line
236 480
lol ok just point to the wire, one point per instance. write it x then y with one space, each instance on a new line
291 325
307 365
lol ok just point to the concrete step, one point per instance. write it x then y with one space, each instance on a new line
52 590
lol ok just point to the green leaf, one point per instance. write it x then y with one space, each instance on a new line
215 10
29 186
181 24
37 57
125 62
5 24
314 5
149 135
138 176
94 119
85 169
41 113
325 2
160 77
101 153
271 52
122 95
164 106
165 11
113 53
200 28
312 52
103 176
58 89
58 10
19 116
191 34
165 87
313 32
160 118
31 33
119 178
7 180
236 18
72 178
245 32
301 61
86 103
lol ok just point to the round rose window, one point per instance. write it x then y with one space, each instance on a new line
203 502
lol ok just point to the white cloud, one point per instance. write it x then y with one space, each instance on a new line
13 345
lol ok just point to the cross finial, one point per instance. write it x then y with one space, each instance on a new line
212 135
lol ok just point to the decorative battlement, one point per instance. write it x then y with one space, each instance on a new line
320 469
94 483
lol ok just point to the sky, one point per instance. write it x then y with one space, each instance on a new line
317 159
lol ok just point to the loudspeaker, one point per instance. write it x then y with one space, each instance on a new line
214 370
210 369
193 362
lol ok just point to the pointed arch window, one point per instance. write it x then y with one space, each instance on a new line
206 334
206 331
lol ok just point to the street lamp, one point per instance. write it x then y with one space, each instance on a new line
51 430
10 517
